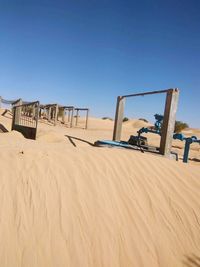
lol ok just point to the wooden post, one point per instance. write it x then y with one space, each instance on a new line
40 112
167 130
72 118
69 111
52 113
63 115
18 112
0 101
56 114
37 112
49 113
77 111
87 115
33 112
118 118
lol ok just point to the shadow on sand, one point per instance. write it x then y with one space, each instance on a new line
7 113
194 159
192 261
72 138
3 129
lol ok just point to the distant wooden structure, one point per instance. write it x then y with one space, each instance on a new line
25 118
171 104
53 112
50 111
67 115
77 110
9 103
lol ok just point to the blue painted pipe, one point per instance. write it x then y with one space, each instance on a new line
177 136
188 142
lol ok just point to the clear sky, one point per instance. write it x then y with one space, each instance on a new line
86 52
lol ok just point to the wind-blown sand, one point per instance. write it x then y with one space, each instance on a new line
64 202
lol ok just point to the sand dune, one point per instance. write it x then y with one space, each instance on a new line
136 123
64 202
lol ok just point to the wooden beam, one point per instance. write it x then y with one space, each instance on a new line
33 112
56 114
118 118
147 93
72 118
18 111
167 130
49 113
77 114
63 116
87 115
69 111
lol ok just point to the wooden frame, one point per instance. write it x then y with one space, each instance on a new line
171 104
86 117
70 115
25 118
51 112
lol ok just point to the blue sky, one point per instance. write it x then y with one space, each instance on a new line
85 53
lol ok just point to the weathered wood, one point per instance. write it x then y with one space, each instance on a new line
167 130
87 116
33 112
77 114
72 118
40 112
49 113
63 116
118 118
18 111
27 125
56 114
147 93
69 113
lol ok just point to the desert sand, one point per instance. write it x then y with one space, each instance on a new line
64 202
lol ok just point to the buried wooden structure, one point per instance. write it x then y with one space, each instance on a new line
171 104
52 112
86 117
25 118
67 113
9 103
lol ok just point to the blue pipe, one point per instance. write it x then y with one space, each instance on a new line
188 142
177 136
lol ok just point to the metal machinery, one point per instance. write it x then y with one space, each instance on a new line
157 129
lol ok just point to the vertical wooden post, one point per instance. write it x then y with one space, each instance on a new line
40 112
118 118
63 115
49 113
69 111
37 112
72 117
53 113
77 111
56 114
18 112
33 112
87 115
0 101
167 130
